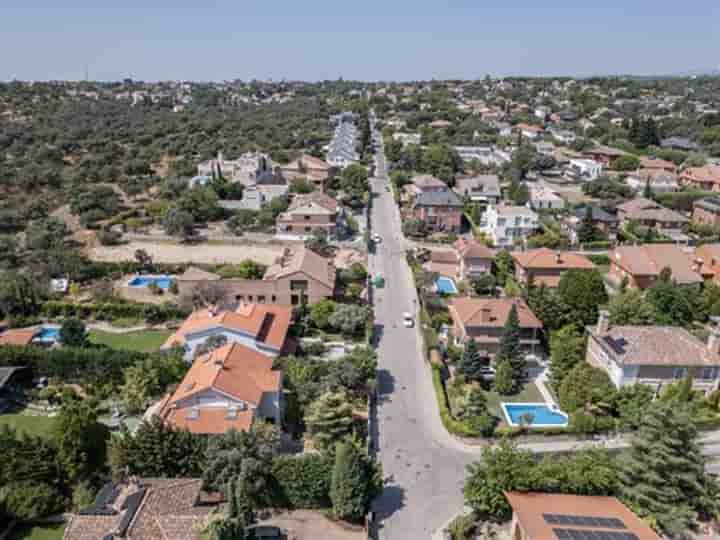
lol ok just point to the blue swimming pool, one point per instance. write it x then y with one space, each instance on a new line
144 281
48 333
445 285
539 414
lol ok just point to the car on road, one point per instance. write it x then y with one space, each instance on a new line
376 238
408 320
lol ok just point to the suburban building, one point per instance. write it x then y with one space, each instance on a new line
707 211
342 150
654 163
563 136
425 183
585 169
262 327
145 509
604 154
544 198
660 180
557 516
475 258
529 131
307 214
227 388
651 214
706 178
506 225
545 266
444 262
315 170
407 138
679 143
641 265
605 222
440 210
709 256
653 355
483 188
246 169
483 319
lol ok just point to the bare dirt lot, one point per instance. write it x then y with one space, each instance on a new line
309 525
207 253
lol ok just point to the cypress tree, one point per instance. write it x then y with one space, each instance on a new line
471 362
663 478
504 378
510 345
476 404
350 484
329 419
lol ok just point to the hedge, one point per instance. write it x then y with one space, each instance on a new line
598 244
302 481
600 260
451 424
153 313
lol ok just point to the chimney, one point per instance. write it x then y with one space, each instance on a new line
713 343
603 324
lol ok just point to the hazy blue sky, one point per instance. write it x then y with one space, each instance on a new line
362 39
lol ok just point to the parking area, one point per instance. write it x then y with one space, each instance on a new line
309 525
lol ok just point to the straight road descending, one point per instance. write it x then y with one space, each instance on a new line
423 467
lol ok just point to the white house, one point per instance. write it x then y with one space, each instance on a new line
542 197
504 225
407 138
586 169
563 136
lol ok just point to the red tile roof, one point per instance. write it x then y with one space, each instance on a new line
552 259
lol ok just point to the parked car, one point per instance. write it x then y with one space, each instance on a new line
408 320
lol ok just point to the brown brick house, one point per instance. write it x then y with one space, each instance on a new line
546 266
483 319
440 210
309 213
706 178
642 264
475 258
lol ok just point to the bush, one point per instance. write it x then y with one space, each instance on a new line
301 481
451 424
31 500
152 313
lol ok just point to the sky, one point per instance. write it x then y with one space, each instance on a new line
362 39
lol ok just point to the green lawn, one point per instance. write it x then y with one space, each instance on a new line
528 394
144 341
45 532
34 425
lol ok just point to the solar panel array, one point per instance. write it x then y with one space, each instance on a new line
584 521
585 534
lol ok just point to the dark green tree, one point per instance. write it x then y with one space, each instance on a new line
73 333
351 483
588 388
567 350
471 362
581 293
503 266
510 350
504 381
588 232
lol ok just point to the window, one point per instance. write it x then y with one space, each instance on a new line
708 373
261 299
298 285
307 218
273 298
679 372
250 297
308 229
239 297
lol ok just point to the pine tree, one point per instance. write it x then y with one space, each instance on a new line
476 403
471 362
350 482
663 478
504 378
587 232
648 192
329 419
510 345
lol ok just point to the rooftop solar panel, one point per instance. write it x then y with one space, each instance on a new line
586 534
584 521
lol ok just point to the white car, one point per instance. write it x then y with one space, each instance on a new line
376 238
408 320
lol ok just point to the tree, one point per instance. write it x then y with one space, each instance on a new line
247 269
354 183
509 350
210 344
663 478
471 362
144 259
321 312
503 266
483 284
414 227
73 333
318 242
631 308
586 387
349 319
567 350
20 295
673 304
351 483
581 293
504 381
180 223
588 232
626 163
81 440
647 190
546 306
329 419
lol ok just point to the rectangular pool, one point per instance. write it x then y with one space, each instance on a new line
48 333
445 285
539 414
144 281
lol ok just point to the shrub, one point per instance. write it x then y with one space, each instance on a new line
301 481
31 500
152 313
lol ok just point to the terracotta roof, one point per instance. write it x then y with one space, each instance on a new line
656 163
486 312
710 256
267 323
650 259
443 256
706 174
450 270
315 198
551 259
210 421
655 346
427 181
645 209
529 508
529 127
471 249
18 336
305 261
193 273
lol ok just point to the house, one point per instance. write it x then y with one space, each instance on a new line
604 155
145 509
440 210
475 258
557 516
444 262
309 213
425 183
651 214
679 143
661 181
483 319
262 327
706 178
709 257
407 138
653 355
563 136
545 148
228 388
245 169
585 169
545 266
342 150
544 198
506 225
651 162
315 170
707 212
484 188
440 124
529 131
604 221
641 265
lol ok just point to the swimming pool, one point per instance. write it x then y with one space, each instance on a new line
539 414
445 285
144 281
48 333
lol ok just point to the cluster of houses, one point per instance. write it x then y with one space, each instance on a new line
342 150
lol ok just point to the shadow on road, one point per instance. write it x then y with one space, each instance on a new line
390 501
385 385
377 334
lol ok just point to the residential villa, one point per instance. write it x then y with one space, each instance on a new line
145 509
529 131
707 212
641 265
246 169
444 262
605 155
706 178
544 198
651 214
654 163
483 319
484 188
261 327
309 213
506 225
424 183
585 169
659 180
228 388
653 355
604 221
557 516
440 210
315 170
475 258
546 266
708 255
